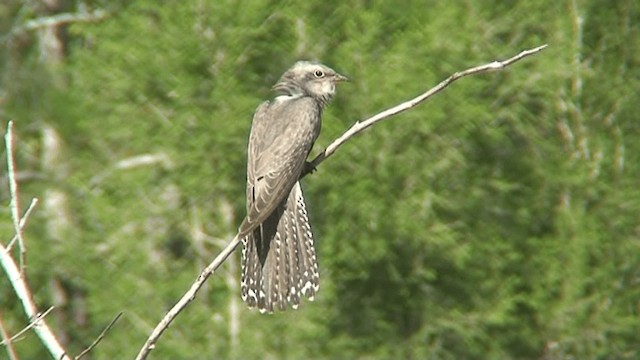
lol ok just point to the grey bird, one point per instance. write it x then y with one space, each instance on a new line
279 263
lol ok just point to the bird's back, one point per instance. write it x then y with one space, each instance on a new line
282 135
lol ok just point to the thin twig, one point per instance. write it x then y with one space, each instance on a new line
99 338
23 221
6 341
355 129
13 189
32 323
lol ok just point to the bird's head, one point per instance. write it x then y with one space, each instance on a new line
310 79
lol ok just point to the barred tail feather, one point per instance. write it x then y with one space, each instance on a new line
292 256
279 263
251 281
308 278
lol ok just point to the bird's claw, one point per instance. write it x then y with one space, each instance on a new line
309 168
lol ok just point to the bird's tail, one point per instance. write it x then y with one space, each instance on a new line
279 264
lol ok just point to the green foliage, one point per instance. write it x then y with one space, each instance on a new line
498 220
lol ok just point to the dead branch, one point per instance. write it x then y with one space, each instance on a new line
360 126
62 19
17 277
330 150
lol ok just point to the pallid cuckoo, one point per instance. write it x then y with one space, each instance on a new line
279 263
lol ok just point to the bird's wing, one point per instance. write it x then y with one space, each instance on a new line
281 138
256 142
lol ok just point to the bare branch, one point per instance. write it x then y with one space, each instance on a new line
360 126
6 341
161 159
99 338
17 280
13 189
16 277
150 344
62 19
355 129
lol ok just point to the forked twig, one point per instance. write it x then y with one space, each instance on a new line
23 222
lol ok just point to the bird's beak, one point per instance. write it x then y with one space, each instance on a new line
340 78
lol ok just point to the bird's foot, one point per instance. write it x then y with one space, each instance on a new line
309 168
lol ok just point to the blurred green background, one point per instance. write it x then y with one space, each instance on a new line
499 220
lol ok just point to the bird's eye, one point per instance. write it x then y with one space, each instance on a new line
319 73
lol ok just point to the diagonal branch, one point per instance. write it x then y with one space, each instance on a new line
150 344
330 150
360 126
